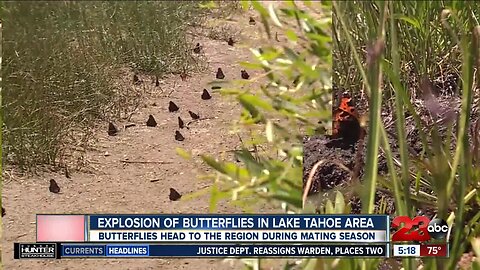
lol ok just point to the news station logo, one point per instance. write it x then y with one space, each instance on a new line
419 229
35 250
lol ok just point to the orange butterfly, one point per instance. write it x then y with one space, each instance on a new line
346 122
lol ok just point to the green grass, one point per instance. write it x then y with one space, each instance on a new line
421 41
61 68
62 63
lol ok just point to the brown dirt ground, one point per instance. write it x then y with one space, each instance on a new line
112 186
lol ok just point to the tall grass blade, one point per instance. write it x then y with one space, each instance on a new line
404 205
463 146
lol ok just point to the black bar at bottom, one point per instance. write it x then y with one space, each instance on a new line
16 250
59 251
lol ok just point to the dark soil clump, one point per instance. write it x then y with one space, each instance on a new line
330 174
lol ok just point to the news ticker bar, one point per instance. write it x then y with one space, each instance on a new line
64 250
214 228
69 250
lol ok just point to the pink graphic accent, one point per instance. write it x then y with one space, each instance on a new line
60 228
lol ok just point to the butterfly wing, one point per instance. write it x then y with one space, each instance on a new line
346 123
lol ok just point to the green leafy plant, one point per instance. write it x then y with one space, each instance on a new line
279 114
384 50
63 64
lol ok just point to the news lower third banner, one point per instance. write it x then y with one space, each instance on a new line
214 235
236 236
65 250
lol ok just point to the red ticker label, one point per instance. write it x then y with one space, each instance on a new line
432 250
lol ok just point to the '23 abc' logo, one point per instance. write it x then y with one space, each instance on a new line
436 229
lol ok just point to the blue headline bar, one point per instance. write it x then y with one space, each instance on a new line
229 250
238 222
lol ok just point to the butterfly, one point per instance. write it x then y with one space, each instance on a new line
157 83
245 74
230 41
179 136
220 74
151 121
136 80
197 48
180 123
174 195
206 95
193 115
172 107
346 123
112 129
54 188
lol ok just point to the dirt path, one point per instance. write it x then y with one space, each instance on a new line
117 187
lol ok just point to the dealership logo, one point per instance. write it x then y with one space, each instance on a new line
35 250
